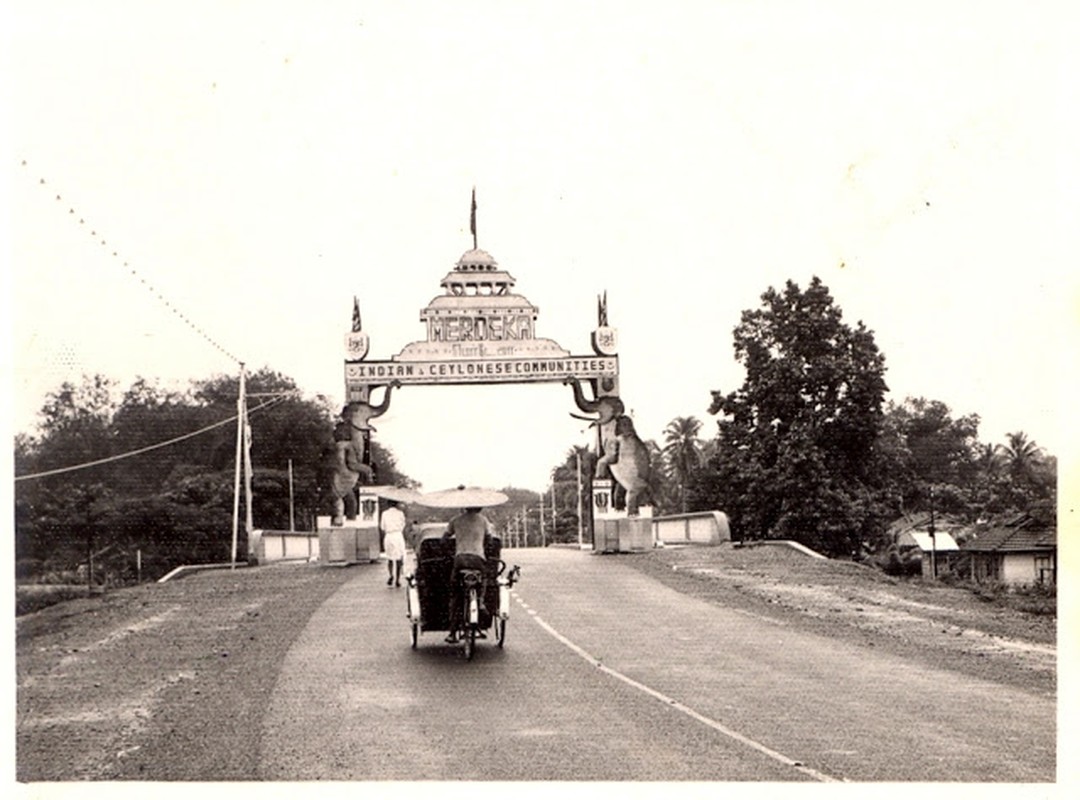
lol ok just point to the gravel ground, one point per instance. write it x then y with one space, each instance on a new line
926 621
167 682
163 682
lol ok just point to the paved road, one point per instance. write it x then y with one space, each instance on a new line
608 675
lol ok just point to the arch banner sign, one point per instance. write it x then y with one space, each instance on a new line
481 331
482 370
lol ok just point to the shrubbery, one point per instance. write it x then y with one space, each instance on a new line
34 597
1032 598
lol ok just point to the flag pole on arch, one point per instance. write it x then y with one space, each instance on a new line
472 218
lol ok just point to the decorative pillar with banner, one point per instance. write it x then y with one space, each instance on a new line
605 516
368 544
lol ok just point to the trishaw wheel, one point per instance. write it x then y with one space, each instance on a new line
469 639
500 632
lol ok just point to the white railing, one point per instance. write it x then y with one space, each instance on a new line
268 545
700 527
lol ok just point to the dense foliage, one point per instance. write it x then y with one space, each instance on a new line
795 454
806 450
170 504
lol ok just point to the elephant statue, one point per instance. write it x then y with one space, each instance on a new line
623 456
626 458
607 409
352 443
359 414
347 467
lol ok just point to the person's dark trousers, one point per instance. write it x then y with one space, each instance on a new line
457 599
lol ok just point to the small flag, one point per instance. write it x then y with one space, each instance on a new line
472 218
355 314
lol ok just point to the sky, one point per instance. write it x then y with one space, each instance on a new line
257 165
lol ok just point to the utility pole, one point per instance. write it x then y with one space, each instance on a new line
542 536
580 524
525 524
90 559
933 537
554 524
236 479
292 518
248 526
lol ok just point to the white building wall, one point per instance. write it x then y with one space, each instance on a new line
1018 568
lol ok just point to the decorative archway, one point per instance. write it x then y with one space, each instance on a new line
481 331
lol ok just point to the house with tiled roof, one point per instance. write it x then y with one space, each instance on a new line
1018 552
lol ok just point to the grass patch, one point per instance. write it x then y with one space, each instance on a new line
1032 598
32 597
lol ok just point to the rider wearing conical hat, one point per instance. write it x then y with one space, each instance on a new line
470 530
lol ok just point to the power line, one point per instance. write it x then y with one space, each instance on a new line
146 449
149 287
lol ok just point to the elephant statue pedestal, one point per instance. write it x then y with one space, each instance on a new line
355 541
613 530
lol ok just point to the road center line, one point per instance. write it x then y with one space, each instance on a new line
671 702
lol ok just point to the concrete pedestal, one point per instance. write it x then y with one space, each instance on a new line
623 535
350 543
613 531
337 544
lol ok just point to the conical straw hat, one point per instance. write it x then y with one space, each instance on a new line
463 497
397 493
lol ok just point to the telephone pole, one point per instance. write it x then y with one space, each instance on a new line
542 536
580 521
554 524
240 414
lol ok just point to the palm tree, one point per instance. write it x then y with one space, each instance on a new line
682 450
1021 456
990 459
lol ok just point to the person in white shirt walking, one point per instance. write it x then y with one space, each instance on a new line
392 523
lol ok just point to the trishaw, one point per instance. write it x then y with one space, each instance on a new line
485 594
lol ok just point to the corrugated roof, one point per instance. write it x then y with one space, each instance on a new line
940 542
1013 540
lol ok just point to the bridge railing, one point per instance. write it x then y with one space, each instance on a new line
700 527
269 545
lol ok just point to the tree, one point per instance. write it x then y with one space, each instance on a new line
75 426
990 459
795 451
1021 456
927 448
564 478
1032 474
662 493
171 502
682 453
